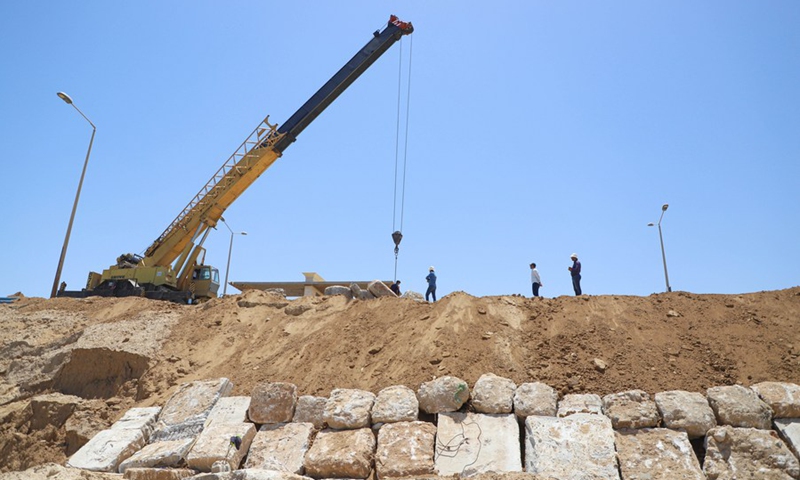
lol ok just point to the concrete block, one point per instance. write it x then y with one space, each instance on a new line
738 453
783 398
444 394
215 444
168 454
468 444
106 450
310 409
158 474
631 409
580 403
229 410
738 406
657 454
341 454
395 404
280 447
493 394
186 411
405 449
789 430
686 411
535 399
272 402
349 408
576 447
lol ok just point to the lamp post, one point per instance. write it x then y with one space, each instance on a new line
68 100
663 255
230 248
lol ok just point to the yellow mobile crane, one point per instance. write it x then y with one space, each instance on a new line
172 268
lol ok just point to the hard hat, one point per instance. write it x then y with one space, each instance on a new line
574 255
431 268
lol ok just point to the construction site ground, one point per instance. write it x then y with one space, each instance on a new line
119 353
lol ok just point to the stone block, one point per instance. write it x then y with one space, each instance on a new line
535 399
686 411
493 394
576 447
158 474
357 291
280 447
657 454
229 410
167 454
789 430
310 409
783 398
631 409
379 289
106 450
215 445
349 408
142 418
739 453
738 406
52 409
258 474
445 394
272 402
469 444
186 411
341 454
405 449
397 403
580 403
339 290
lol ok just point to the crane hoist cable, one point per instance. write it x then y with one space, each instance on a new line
397 235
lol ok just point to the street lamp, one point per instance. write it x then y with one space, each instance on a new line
68 100
663 255
230 248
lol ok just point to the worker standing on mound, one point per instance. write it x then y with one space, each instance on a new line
536 280
431 291
395 288
575 272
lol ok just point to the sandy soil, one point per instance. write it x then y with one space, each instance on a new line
119 353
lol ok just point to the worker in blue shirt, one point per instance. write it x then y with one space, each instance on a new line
431 278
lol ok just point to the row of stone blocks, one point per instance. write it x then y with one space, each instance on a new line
203 433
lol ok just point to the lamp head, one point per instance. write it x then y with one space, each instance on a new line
664 207
65 97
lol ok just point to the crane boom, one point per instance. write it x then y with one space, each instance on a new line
171 260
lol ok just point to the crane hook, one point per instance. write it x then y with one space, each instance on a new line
397 237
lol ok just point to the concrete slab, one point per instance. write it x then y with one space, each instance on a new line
469 444
106 450
185 413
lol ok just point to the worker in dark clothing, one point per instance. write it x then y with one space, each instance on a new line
575 271
395 288
431 278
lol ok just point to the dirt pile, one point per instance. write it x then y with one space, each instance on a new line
118 353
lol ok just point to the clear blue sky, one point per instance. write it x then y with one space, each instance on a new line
536 129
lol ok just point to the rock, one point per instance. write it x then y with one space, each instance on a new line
395 404
405 449
185 413
783 398
686 411
600 365
348 408
416 296
631 409
52 409
379 289
535 399
445 394
272 402
356 291
310 409
580 403
339 290
341 454
493 394
169 454
297 309
738 453
738 406
214 445
657 454
469 444
281 447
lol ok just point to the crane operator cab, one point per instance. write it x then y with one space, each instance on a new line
205 280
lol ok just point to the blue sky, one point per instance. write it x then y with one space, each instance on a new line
535 130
